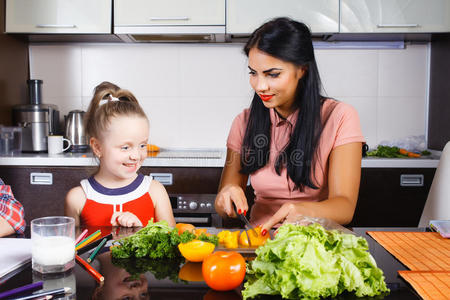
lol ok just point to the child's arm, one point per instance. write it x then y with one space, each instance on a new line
5 228
163 208
11 212
75 200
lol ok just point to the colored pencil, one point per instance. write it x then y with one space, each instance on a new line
23 289
91 235
87 240
81 236
48 297
93 244
97 276
46 293
94 253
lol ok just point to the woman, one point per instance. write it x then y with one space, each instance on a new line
302 150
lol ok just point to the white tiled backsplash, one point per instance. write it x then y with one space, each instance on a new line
192 92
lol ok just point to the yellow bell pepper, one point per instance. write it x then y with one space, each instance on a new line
256 240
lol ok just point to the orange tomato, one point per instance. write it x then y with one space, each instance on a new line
196 250
182 227
191 271
223 271
255 239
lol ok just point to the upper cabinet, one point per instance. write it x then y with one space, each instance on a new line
169 16
58 16
395 16
244 16
211 20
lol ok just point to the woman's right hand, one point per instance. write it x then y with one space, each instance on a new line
228 195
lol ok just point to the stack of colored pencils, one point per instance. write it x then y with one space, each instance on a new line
86 244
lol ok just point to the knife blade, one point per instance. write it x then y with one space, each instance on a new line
247 223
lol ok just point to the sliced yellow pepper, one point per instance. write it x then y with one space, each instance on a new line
229 238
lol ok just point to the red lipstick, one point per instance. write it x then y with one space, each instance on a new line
265 97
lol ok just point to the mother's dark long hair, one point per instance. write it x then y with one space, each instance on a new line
289 41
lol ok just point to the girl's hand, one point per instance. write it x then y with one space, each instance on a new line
125 219
227 196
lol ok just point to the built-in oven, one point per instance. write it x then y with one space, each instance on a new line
196 209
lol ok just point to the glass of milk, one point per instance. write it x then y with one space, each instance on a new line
53 244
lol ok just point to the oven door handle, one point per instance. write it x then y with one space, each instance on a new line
198 220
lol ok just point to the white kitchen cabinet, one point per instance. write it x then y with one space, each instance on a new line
169 16
395 16
58 16
244 16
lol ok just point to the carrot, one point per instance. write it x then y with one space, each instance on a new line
412 154
403 151
152 148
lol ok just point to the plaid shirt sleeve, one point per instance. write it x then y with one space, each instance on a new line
11 209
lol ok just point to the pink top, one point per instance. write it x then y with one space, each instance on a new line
340 126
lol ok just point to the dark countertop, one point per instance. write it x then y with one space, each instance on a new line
118 282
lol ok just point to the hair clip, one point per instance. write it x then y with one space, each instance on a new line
110 98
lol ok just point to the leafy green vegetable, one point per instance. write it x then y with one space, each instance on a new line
156 240
160 268
309 262
386 151
425 152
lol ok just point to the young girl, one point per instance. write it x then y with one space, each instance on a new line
118 129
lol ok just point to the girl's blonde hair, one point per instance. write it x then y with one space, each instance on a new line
98 116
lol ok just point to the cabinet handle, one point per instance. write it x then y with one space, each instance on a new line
55 26
169 18
163 178
41 178
192 220
411 180
397 25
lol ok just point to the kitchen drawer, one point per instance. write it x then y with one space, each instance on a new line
244 16
392 197
46 195
58 16
399 16
136 13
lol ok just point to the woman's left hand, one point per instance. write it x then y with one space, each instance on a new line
125 219
288 212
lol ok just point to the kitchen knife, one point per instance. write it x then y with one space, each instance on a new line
250 227
247 223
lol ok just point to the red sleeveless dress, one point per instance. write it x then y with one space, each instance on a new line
102 202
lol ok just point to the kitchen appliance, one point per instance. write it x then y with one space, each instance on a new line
74 131
196 209
37 120
10 140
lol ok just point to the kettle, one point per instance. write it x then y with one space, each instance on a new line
74 131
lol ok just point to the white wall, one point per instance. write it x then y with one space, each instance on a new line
191 92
